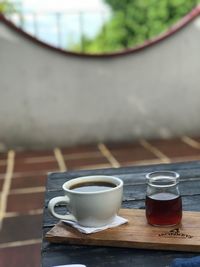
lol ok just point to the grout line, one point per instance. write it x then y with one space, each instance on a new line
6 184
191 142
52 158
147 162
93 167
184 158
20 243
60 159
143 162
155 151
39 159
32 173
108 155
30 212
28 190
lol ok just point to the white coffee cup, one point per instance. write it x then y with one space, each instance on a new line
91 208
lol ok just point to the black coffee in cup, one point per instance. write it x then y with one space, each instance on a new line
88 187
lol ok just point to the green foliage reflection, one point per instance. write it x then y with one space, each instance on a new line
133 22
6 6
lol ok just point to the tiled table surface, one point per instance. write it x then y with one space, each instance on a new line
23 177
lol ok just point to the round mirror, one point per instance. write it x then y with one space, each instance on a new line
96 26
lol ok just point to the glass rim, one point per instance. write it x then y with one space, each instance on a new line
153 178
168 174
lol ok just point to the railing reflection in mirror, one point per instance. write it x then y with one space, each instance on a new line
61 29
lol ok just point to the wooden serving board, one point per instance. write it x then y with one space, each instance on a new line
136 234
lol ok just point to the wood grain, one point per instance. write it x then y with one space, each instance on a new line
136 234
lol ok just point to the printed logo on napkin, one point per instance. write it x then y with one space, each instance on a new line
175 233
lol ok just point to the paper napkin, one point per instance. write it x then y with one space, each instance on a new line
89 230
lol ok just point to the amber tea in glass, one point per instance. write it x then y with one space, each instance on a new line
163 200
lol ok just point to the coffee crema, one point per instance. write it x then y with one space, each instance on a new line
88 187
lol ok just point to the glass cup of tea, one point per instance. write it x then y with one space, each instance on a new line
163 200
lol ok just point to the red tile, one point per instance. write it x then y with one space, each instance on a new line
1 184
84 162
34 153
173 148
118 146
21 228
80 149
2 168
3 156
21 166
131 152
29 181
26 256
128 160
23 203
135 156
74 156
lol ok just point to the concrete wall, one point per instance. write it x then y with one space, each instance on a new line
49 99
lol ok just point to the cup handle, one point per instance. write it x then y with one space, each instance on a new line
58 200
